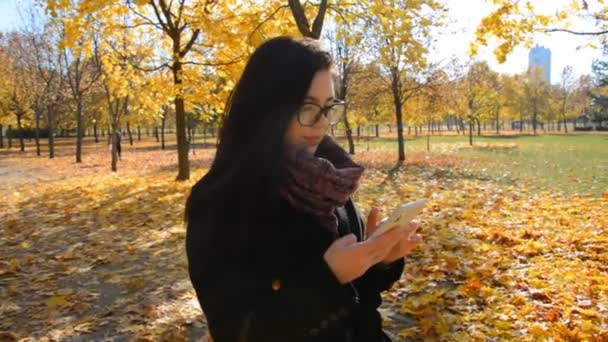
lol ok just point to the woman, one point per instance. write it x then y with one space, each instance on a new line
275 245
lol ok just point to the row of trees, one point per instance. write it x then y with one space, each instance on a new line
124 64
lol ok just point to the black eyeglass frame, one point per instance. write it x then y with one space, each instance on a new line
322 111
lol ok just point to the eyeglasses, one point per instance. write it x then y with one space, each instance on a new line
310 113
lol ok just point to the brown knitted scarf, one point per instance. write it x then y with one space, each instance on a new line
320 183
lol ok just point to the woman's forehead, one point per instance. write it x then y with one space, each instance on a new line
321 88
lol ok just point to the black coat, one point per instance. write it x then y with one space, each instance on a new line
281 289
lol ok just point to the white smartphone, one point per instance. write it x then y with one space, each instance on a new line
401 216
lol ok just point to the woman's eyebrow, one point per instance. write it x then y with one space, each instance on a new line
314 99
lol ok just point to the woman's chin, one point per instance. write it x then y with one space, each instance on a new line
312 149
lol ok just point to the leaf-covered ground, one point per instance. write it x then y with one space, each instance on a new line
88 255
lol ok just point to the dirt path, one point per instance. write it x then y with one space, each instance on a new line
13 175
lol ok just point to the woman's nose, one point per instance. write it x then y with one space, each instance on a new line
323 122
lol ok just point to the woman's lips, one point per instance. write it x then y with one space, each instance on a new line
314 140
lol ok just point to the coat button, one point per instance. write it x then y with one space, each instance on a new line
276 284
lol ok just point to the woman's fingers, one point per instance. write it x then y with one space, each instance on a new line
408 245
382 244
410 229
372 221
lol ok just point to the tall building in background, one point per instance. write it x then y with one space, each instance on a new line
540 57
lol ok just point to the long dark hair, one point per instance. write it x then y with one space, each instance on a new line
242 184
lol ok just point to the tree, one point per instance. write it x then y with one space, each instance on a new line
565 94
477 94
368 96
18 98
344 41
189 39
81 74
400 40
48 61
513 23
599 95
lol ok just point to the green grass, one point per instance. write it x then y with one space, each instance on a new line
573 164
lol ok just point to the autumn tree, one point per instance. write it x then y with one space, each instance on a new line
400 41
565 94
345 46
599 95
536 97
477 95
513 23
48 60
81 74
369 97
17 97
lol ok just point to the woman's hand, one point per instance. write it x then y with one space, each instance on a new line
407 240
349 259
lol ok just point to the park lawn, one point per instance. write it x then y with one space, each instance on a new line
575 164
86 254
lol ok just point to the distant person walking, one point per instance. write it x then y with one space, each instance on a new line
118 136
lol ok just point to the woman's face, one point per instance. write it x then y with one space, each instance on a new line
320 93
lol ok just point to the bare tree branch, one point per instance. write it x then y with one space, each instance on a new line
300 17
188 46
579 33
265 21
317 25
148 21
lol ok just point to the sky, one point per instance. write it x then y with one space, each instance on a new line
467 14
454 40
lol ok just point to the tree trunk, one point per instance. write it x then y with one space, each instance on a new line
428 138
180 116
20 128
191 134
1 136
162 132
358 132
129 133
79 130
535 115
478 127
114 146
349 135
50 125
397 102
377 131
37 132
400 139
138 133
471 123
95 132
156 133
9 134
497 121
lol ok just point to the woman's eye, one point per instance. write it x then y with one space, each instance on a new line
309 109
